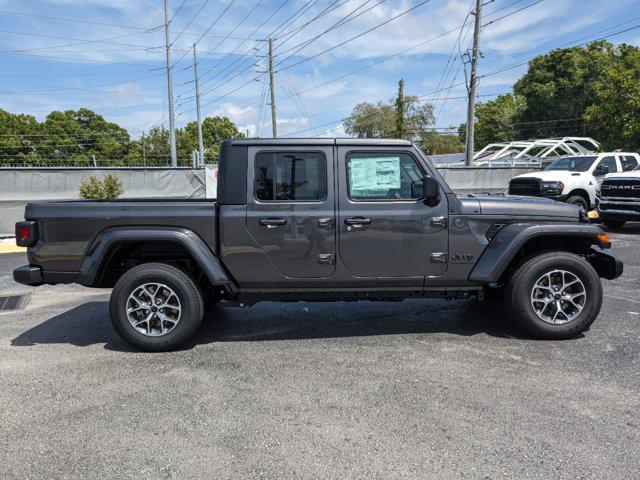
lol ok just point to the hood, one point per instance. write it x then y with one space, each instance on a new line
634 175
528 207
552 175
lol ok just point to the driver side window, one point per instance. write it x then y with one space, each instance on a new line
383 176
610 163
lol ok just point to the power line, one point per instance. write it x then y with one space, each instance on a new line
394 55
512 13
177 11
343 21
75 59
500 70
83 41
292 33
204 4
67 75
90 22
357 36
453 58
225 78
248 52
210 27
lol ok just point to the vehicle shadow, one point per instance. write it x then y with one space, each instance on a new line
89 324
630 228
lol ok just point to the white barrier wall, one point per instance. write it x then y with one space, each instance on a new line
494 180
21 186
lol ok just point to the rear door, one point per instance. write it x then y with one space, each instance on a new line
291 208
385 230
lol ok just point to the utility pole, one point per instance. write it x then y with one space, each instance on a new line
473 85
172 120
274 128
400 110
195 72
144 150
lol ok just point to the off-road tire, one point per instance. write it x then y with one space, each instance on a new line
189 295
578 200
521 284
614 223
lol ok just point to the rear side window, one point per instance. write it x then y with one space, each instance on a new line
383 176
296 176
629 163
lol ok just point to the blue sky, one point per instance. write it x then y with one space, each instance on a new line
109 56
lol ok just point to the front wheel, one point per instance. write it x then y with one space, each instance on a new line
156 307
554 295
578 200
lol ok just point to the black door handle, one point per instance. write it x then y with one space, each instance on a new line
357 221
273 222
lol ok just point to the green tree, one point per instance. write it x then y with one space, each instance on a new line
496 121
18 139
77 136
380 120
434 143
559 87
615 112
152 149
214 131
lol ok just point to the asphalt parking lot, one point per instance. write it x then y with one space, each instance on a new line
418 389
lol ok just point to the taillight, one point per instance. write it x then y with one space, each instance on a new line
26 234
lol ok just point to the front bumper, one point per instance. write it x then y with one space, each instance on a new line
624 210
28 275
607 266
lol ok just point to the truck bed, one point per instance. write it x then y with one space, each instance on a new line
67 228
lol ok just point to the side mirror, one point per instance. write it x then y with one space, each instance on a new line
430 188
600 170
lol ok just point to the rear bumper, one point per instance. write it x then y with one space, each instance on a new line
28 275
34 276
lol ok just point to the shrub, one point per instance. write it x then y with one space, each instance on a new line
91 188
111 187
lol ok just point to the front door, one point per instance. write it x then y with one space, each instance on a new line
291 211
385 229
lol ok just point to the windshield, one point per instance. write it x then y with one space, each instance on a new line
573 164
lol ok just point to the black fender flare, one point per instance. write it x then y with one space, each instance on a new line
511 238
97 253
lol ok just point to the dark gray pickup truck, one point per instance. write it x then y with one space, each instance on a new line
320 220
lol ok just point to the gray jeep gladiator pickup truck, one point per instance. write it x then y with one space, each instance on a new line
320 220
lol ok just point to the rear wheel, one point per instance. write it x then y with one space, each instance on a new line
578 200
554 295
614 223
156 307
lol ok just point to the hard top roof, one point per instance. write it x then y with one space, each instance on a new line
321 141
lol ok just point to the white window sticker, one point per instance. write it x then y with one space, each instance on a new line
381 173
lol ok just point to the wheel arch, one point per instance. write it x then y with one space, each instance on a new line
515 242
108 256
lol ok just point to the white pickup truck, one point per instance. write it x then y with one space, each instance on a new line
574 179
619 198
